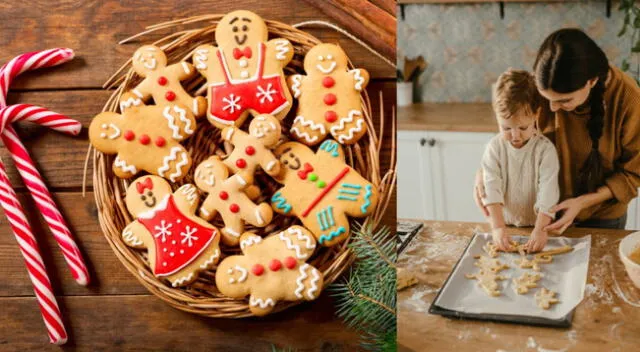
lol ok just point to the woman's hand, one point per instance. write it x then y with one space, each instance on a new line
479 193
571 207
501 239
537 241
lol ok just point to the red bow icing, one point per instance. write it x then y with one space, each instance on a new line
246 52
141 186
307 169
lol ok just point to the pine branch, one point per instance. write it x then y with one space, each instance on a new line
382 305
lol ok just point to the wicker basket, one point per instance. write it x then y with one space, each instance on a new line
202 297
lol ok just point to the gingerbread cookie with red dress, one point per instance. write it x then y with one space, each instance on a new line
179 243
244 72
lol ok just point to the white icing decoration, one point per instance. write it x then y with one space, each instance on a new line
304 135
232 232
232 103
119 163
188 236
172 254
262 303
230 133
172 124
200 57
244 74
211 181
320 58
295 87
290 245
314 282
326 70
309 244
241 180
250 241
182 280
261 118
329 57
209 261
114 135
243 63
282 49
185 67
343 121
179 165
194 108
243 274
266 94
130 238
190 191
171 157
137 92
204 212
104 125
349 136
299 284
150 64
270 165
129 102
152 212
358 78
103 135
309 123
182 251
163 230
259 218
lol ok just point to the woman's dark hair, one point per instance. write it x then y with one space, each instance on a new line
566 61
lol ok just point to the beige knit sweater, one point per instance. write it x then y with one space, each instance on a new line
524 180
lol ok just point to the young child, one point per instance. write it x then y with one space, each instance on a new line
520 166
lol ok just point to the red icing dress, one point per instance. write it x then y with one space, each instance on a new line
179 240
231 98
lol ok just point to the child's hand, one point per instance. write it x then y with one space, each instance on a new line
537 241
501 239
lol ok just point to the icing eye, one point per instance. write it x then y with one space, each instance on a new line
149 194
292 155
245 28
286 162
329 57
235 29
320 58
143 197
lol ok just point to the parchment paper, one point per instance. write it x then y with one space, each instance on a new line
566 275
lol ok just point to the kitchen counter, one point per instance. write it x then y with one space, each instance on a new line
608 319
453 117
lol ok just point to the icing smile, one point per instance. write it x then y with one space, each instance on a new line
106 127
326 70
240 41
289 163
149 201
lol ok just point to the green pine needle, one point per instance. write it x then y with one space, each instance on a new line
366 301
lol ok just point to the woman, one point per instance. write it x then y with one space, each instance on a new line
593 118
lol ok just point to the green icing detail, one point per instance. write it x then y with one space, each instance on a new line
313 177
321 184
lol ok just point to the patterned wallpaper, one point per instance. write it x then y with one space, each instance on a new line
468 45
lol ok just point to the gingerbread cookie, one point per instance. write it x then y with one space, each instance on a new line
526 281
145 138
244 73
253 149
271 270
545 298
329 97
226 196
321 190
488 280
490 264
179 243
161 82
541 258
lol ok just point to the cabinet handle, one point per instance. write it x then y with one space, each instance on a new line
423 141
431 142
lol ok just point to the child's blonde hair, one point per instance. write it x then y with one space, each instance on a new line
515 91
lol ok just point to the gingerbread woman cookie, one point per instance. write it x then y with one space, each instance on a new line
244 73
161 82
145 138
179 243
271 270
226 196
253 149
321 190
329 97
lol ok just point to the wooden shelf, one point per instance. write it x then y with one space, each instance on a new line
459 117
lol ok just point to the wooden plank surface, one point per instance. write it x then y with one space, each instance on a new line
460 117
115 310
606 320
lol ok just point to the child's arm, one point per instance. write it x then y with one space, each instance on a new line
498 227
494 197
538 238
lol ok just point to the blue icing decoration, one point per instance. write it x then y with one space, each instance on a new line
330 146
367 202
332 235
280 202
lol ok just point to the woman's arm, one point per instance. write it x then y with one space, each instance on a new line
573 206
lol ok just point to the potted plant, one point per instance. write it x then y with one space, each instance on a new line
631 30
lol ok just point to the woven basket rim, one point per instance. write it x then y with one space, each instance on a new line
202 297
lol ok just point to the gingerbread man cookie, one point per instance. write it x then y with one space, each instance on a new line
226 196
253 149
244 73
271 270
179 243
161 82
145 138
329 97
321 190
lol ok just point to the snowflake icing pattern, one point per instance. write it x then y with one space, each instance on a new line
266 94
163 230
188 235
232 103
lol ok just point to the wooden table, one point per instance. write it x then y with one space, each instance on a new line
606 320
115 310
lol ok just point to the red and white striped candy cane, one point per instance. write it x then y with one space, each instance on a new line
33 180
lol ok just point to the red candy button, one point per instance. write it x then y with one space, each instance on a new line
290 262
162 81
330 99
241 163
328 82
144 139
330 116
302 175
257 270
234 208
129 135
224 195
250 150
160 141
275 265
170 96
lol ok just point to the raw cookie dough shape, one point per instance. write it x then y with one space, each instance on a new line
541 258
492 249
545 298
527 280
489 264
488 280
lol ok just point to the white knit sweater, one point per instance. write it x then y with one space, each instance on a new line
524 180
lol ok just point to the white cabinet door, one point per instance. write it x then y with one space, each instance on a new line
633 214
453 160
415 200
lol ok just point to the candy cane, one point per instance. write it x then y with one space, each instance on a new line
33 181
